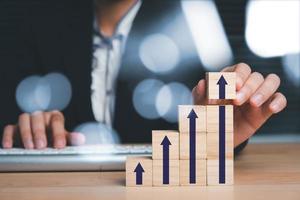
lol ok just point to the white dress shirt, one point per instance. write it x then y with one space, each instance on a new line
107 55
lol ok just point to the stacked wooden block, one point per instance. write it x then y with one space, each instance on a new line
201 153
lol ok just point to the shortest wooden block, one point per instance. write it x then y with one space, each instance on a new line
138 171
161 178
168 139
200 173
217 81
213 176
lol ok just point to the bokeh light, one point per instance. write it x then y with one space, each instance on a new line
144 97
37 93
273 27
291 66
97 133
168 99
60 91
208 33
159 53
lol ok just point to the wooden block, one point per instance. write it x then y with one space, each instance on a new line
212 118
139 171
213 172
214 83
200 175
185 146
213 145
185 115
159 173
159 137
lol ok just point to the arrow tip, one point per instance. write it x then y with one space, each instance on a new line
139 168
192 114
222 81
165 141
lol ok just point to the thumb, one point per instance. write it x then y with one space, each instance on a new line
198 92
76 139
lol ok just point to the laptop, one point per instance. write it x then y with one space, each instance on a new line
71 158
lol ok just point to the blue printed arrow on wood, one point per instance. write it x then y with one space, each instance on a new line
166 143
222 84
222 142
139 174
192 116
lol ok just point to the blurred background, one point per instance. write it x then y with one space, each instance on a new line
262 33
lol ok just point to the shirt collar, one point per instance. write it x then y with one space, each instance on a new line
124 25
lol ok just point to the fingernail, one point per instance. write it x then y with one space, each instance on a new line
29 144
6 145
240 96
59 144
77 139
257 99
274 107
40 144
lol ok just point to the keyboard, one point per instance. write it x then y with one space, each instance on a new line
71 158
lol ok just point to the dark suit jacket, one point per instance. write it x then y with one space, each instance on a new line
56 36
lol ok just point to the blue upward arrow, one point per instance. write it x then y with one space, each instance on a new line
222 142
166 143
139 174
192 116
222 84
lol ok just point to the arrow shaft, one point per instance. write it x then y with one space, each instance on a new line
192 150
222 142
222 91
139 178
166 164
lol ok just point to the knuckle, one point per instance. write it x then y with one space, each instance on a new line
25 132
258 76
23 115
38 131
244 66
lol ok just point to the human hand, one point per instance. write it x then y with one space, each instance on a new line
257 100
36 130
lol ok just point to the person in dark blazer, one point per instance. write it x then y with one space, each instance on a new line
61 36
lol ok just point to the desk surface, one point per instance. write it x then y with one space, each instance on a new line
262 171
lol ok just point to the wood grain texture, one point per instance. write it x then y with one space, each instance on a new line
200 172
213 88
201 151
158 173
131 163
213 145
268 171
213 172
212 118
157 138
183 120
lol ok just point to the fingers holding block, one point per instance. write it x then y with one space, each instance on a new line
139 171
192 115
200 146
165 172
221 85
198 177
165 143
213 173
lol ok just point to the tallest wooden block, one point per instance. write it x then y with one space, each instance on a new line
221 85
